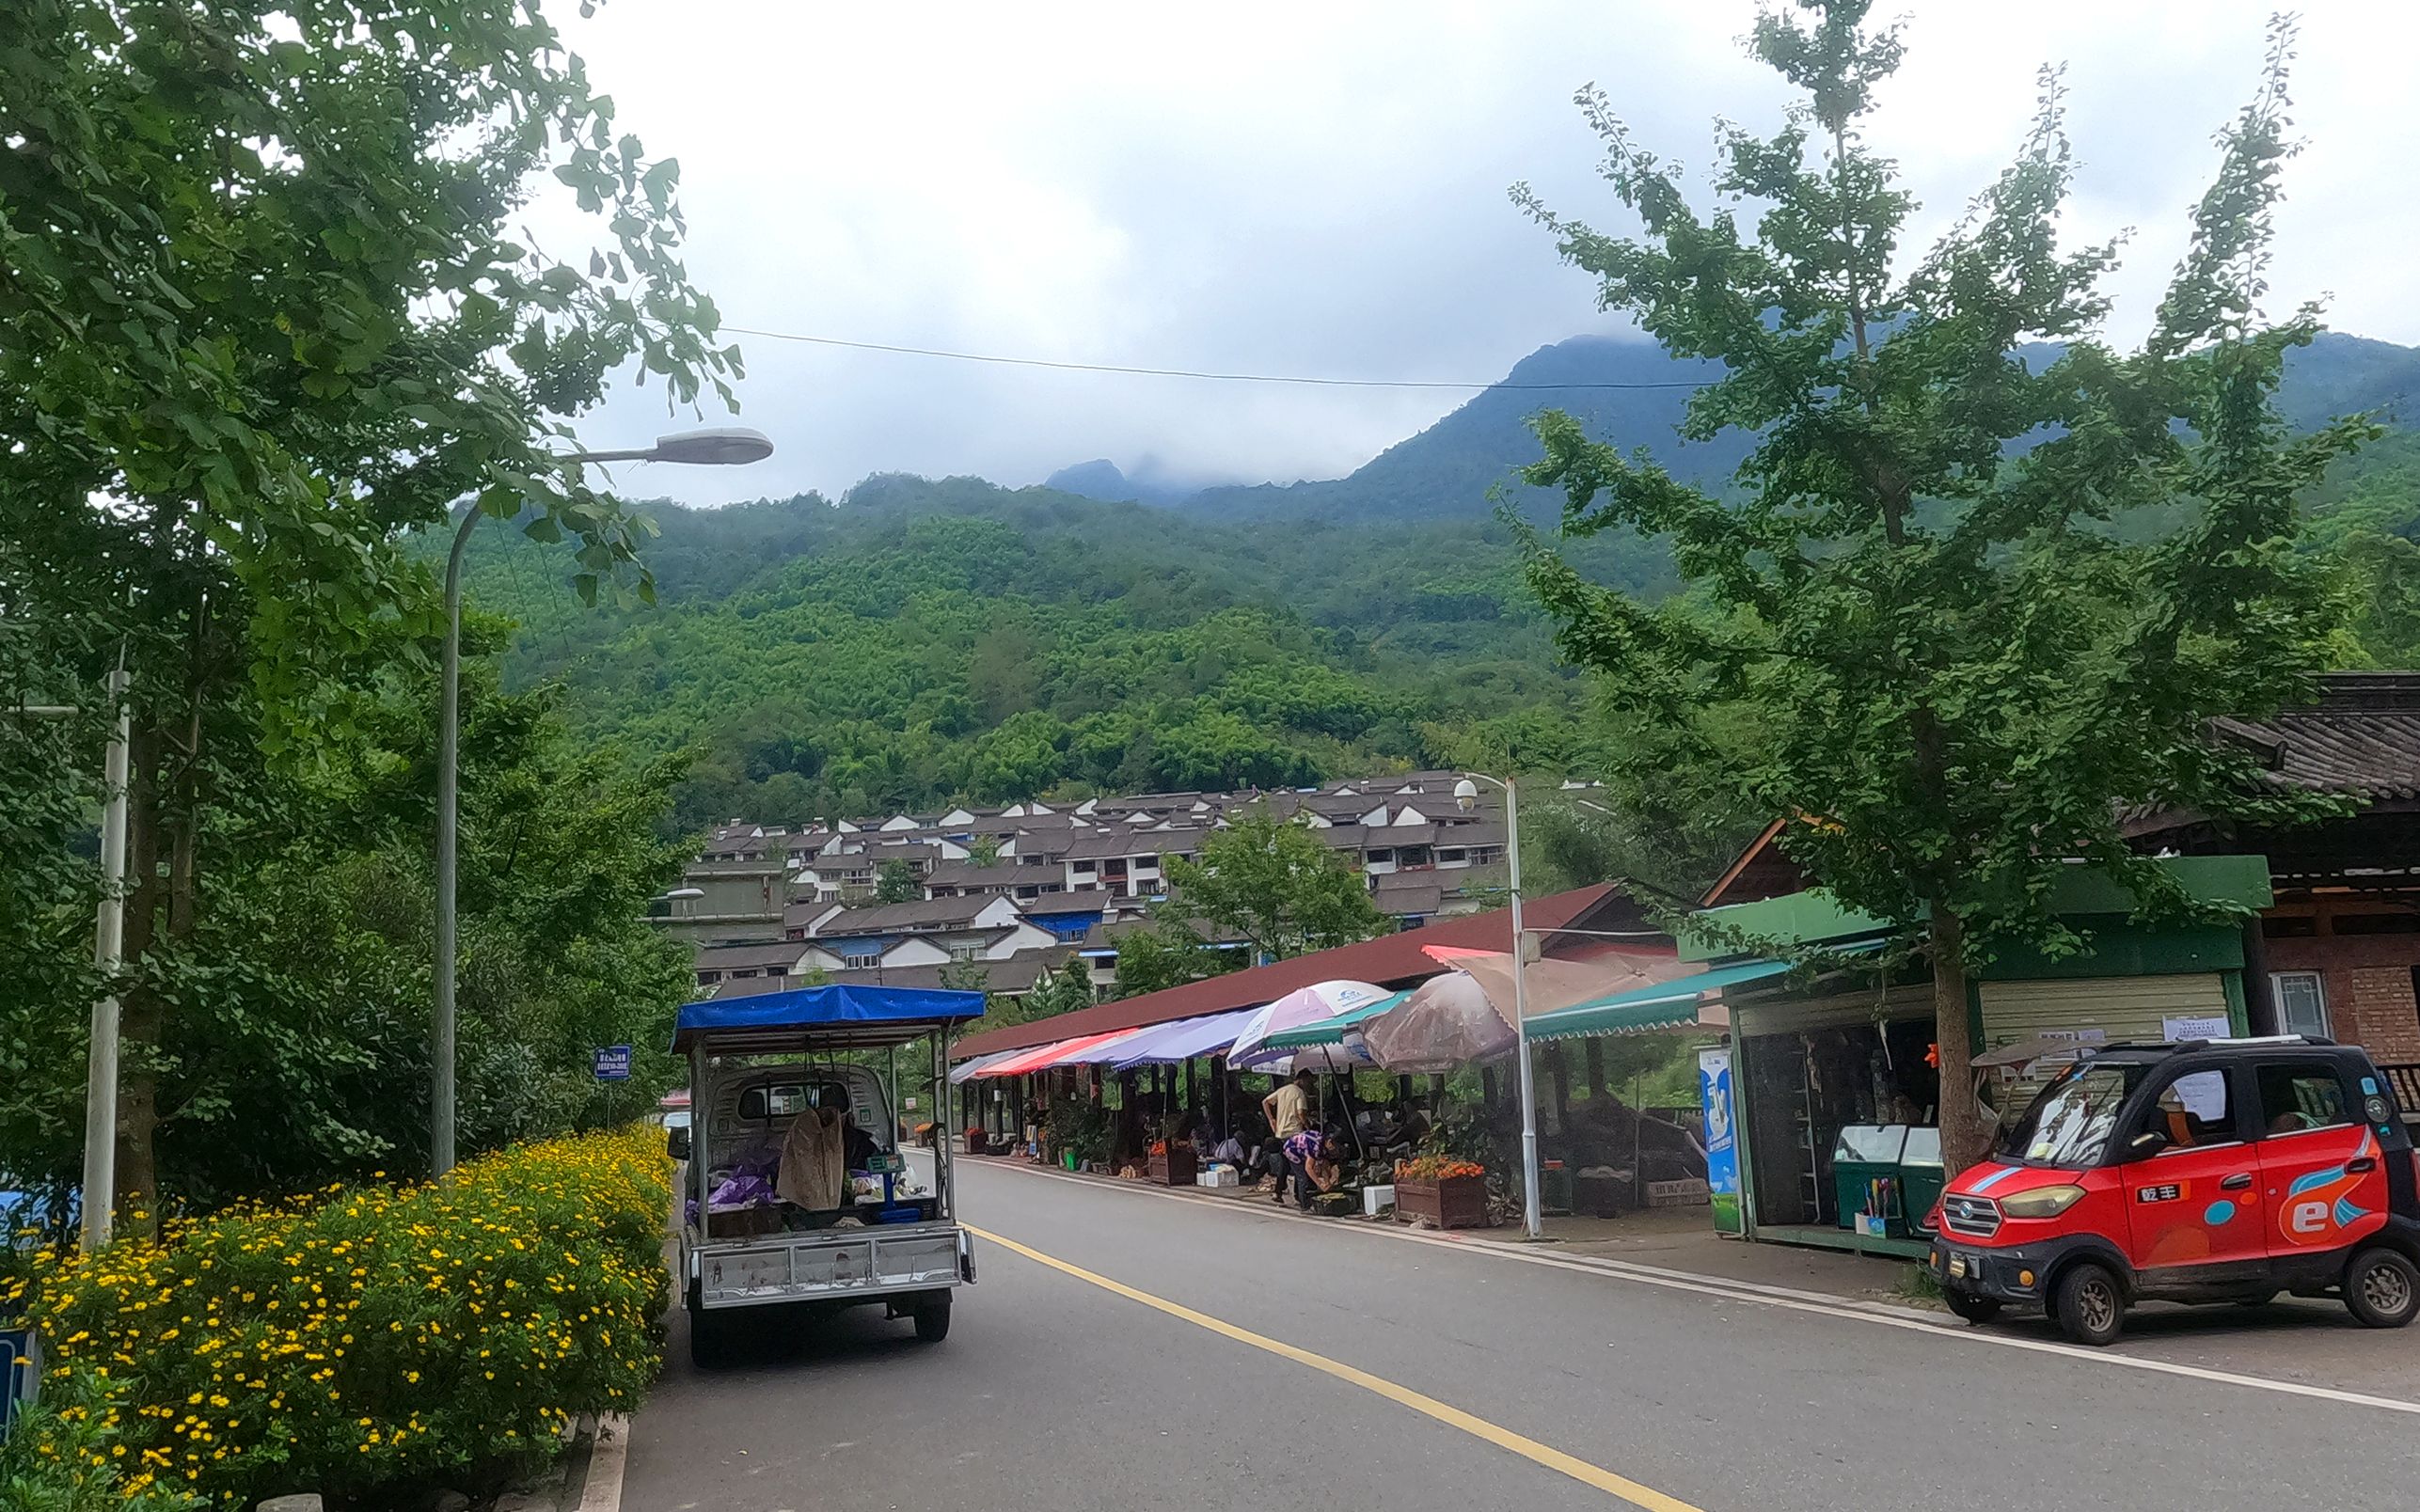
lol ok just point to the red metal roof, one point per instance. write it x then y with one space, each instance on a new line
1390 960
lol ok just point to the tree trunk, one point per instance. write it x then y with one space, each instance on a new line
1594 1053
1963 1140
1558 1072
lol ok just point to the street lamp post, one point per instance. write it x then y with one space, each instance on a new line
1467 796
721 447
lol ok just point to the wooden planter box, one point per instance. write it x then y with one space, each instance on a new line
1177 1168
1456 1201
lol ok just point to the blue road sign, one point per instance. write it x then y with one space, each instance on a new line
613 1064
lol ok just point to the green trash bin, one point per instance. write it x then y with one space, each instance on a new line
1866 1169
1554 1189
1921 1176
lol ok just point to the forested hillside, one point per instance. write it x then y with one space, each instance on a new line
922 639
926 639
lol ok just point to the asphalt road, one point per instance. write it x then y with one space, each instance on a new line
1058 1395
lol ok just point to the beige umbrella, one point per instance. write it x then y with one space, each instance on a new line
1466 1014
1446 1022
1554 981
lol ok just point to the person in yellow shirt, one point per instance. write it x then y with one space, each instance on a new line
1289 1111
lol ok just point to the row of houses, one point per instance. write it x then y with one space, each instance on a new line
1011 893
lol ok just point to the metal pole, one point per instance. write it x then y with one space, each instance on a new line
1532 1219
108 942
449 735
942 1153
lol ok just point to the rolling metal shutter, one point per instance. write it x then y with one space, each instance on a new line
2121 1008
1790 1015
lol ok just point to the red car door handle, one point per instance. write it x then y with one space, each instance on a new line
2238 1182
2364 1163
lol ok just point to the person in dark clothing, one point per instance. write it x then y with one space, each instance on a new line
1315 1160
858 1148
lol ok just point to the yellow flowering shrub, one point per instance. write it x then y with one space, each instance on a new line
367 1341
65 1454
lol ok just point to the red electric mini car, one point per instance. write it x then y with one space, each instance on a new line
2208 1171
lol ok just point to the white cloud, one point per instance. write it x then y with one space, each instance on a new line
1321 189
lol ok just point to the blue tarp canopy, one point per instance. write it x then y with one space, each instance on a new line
833 1016
1185 1038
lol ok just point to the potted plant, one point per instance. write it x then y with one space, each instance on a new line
1171 1163
1447 1192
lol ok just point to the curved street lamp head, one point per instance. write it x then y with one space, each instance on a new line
1467 794
727 446
685 892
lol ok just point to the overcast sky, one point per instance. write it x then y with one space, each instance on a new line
1320 188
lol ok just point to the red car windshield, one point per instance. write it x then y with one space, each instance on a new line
2069 1124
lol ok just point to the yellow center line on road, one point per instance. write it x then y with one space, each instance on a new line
1645 1497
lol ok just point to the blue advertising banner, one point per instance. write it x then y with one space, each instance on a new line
21 1373
1722 1139
613 1064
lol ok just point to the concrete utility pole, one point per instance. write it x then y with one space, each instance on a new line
98 1196
724 446
1467 794
108 942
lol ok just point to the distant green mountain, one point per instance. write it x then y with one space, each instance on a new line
1633 392
924 639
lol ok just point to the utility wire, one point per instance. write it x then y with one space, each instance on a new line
1179 372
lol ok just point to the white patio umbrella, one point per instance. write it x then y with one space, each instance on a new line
1304 1005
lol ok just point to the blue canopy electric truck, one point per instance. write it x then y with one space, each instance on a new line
796 1192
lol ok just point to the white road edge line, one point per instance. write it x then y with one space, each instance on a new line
1885 1316
606 1458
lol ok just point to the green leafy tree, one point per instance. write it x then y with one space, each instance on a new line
1060 990
895 882
1975 600
1275 884
984 850
265 313
297 1053
1165 951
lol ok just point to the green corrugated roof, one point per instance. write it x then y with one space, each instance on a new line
1661 1006
1815 916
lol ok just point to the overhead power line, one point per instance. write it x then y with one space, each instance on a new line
1181 373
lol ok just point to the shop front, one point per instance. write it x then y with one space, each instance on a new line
1839 1103
1835 1089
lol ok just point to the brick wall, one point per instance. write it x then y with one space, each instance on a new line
2368 985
